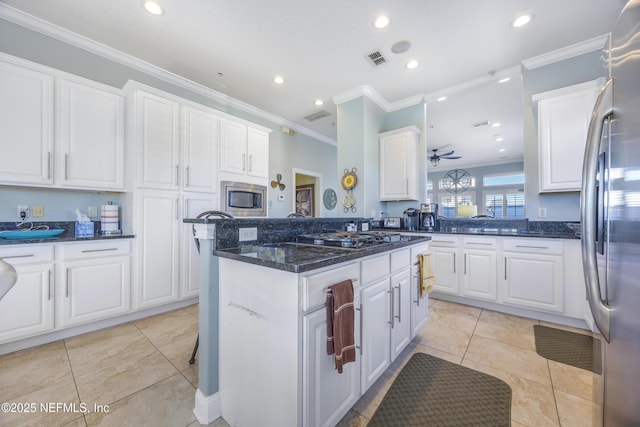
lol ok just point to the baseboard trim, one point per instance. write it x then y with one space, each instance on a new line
207 408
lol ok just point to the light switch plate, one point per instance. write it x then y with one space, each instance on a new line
38 211
93 211
247 234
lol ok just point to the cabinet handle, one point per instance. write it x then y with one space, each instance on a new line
50 280
250 162
48 164
417 300
399 316
465 263
454 263
177 207
479 243
68 284
18 256
406 185
98 250
66 166
244 157
186 176
177 175
392 307
505 268
360 310
442 241
532 247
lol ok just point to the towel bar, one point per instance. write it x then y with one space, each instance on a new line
327 290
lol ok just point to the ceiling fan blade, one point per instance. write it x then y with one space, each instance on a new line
450 157
447 154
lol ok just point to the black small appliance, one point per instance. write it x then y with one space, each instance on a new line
429 217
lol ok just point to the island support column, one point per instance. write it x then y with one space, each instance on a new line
207 400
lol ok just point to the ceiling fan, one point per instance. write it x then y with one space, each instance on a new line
435 158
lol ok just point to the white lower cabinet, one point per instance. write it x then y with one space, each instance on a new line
419 306
94 281
533 274
376 327
479 268
28 308
192 206
400 311
444 253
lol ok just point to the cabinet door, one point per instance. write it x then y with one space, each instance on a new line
533 280
199 148
479 274
257 153
445 269
90 135
27 309
158 242
26 125
400 312
158 166
193 205
563 121
327 395
233 147
94 289
398 165
376 336
419 306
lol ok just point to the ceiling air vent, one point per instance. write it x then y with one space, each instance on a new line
480 124
376 58
315 116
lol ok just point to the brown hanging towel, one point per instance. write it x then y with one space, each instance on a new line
341 323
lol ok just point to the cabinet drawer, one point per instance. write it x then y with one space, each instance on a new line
444 241
400 259
313 286
94 249
479 242
374 268
27 254
539 246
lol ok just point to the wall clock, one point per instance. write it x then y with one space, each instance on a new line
456 181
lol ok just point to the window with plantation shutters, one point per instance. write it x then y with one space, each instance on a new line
504 204
449 203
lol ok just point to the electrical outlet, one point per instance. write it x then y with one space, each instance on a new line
38 211
247 234
23 209
542 212
93 211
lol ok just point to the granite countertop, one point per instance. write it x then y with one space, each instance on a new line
67 236
509 232
297 258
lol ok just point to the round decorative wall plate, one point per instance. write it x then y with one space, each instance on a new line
349 179
329 198
348 202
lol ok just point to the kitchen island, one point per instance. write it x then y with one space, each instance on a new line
272 327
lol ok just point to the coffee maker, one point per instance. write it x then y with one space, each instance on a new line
429 217
411 219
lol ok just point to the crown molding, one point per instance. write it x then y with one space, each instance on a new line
54 31
591 45
371 94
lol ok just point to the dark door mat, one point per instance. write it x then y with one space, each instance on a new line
570 348
433 392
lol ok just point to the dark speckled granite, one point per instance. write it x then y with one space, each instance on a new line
67 236
521 228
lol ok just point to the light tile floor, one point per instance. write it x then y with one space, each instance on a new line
140 371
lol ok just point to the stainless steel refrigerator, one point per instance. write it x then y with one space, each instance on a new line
610 217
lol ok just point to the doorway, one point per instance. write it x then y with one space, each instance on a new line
307 193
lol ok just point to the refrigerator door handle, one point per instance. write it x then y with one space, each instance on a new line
602 109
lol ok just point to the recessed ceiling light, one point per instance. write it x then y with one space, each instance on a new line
381 22
496 124
504 80
412 64
522 20
502 150
442 98
318 102
153 8
278 80
499 139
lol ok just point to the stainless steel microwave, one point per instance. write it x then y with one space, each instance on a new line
243 199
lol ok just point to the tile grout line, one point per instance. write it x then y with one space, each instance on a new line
73 377
471 337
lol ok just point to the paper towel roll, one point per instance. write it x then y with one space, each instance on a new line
109 218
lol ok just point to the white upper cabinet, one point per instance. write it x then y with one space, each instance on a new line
199 150
399 164
159 144
563 121
244 152
26 125
90 135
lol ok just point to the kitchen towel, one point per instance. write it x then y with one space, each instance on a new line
109 219
341 323
427 278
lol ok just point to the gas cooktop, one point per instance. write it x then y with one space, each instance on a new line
348 239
